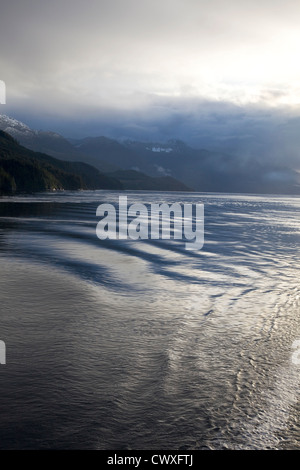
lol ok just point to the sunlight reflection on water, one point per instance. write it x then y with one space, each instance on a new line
142 344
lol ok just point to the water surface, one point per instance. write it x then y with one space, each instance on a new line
124 344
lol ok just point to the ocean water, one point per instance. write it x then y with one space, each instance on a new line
142 344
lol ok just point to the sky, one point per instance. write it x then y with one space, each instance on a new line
222 74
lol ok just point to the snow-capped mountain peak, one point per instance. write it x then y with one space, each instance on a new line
158 149
14 127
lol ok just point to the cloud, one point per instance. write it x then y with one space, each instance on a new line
218 74
109 51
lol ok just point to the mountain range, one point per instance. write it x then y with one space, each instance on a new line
33 160
171 165
24 170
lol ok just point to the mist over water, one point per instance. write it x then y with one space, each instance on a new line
142 344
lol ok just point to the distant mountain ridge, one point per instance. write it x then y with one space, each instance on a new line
193 169
135 180
57 152
199 169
